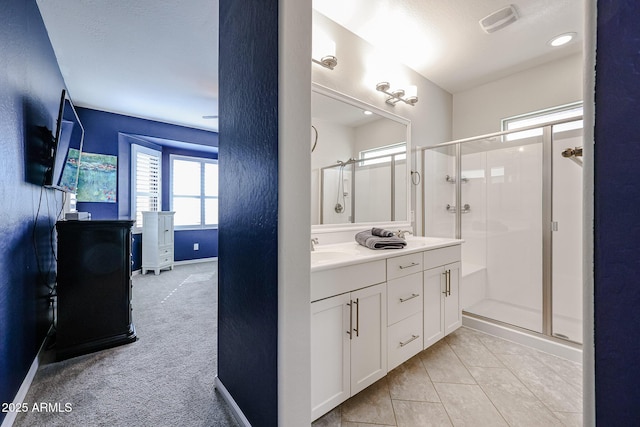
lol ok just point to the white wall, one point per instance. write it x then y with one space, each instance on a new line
378 134
360 67
479 110
294 265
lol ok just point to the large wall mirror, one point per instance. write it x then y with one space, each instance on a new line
359 162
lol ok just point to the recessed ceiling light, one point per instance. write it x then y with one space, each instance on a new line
562 39
367 112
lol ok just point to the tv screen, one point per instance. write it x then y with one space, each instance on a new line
65 164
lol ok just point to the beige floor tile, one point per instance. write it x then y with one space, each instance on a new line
544 383
471 351
443 365
500 346
420 414
492 376
570 419
372 405
332 418
350 424
410 381
519 406
569 371
467 405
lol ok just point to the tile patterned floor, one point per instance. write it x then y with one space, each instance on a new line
469 379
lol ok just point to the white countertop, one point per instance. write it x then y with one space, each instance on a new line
326 257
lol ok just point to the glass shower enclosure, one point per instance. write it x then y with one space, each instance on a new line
516 200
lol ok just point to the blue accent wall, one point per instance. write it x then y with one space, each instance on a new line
617 202
110 133
248 233
30 88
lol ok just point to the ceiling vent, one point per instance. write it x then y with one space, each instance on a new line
499 19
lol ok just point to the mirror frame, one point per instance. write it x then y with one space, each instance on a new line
356 226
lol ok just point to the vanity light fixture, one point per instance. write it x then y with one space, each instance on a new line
396 95
325 49
328 61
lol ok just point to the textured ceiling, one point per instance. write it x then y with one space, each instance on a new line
159 59
144 58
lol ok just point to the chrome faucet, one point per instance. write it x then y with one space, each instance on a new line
401 233
314 242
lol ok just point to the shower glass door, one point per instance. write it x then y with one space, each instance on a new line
517 203
567 232
502 187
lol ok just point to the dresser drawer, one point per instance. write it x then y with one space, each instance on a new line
442 256
404 265
404 340
404 296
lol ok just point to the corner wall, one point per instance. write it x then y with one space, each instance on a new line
30 87
616 203
248 233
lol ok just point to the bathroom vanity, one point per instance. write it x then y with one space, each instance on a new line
371 310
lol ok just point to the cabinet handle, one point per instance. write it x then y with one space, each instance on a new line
413 264
357 329
448 282
413 338
409 298
349 332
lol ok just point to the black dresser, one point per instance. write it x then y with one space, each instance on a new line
94 286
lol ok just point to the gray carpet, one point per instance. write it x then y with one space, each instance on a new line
166 378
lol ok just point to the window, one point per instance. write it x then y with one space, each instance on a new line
388 151
194 192
541 118
146 169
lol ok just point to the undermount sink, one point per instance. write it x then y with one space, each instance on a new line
324 256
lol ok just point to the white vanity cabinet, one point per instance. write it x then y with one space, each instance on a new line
404 304
348 345
376 310
157 241
442 313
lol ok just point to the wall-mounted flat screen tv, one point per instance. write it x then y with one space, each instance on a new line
67 148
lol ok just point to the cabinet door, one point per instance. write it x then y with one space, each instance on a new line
330 353
452 312
369 336
434 286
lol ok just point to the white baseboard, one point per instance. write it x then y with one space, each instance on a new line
26 384
195 261
237 412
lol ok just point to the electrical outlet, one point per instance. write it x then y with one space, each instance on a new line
196 246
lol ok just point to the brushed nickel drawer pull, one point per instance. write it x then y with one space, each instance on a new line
413 264
413 338
409 298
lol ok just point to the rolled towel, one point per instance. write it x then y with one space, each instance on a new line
381 232
366 239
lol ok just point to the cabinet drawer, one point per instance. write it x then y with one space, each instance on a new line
404 297
404 340
442 256
336 281
404 265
